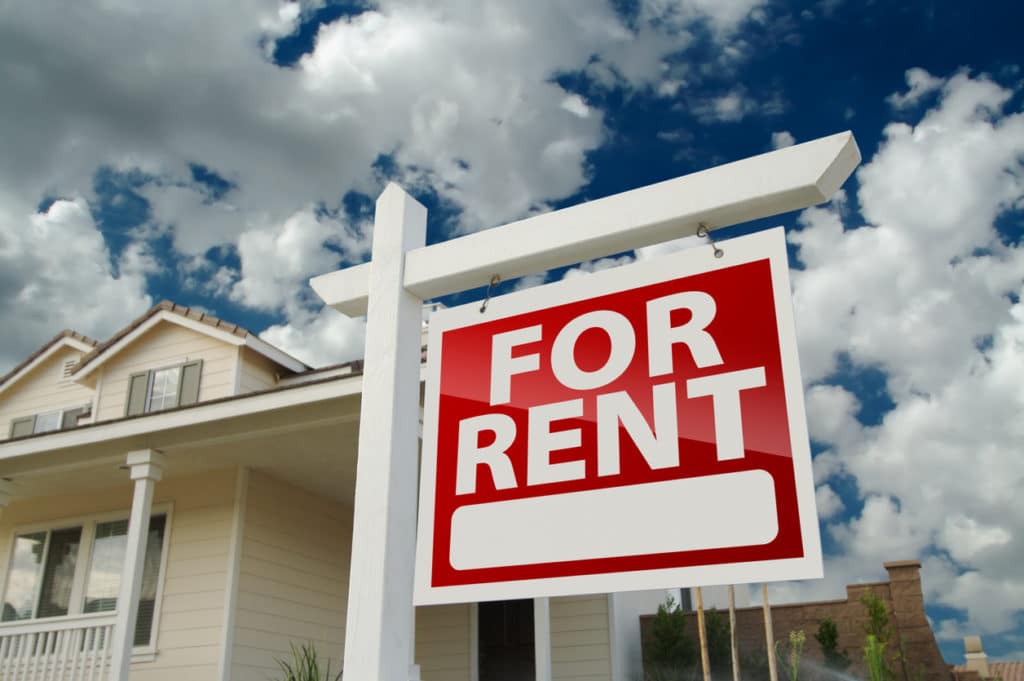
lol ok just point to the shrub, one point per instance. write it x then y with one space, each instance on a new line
671 651
828 638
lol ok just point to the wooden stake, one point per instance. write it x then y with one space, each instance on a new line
705 664
769 635
732 634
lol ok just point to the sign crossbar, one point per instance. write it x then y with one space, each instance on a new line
776 182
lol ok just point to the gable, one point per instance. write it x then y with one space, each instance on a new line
43 388
165 345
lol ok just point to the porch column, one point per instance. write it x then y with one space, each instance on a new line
147 467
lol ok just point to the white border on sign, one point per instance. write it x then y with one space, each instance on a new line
768 244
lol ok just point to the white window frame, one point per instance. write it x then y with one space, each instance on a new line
85 548
151 383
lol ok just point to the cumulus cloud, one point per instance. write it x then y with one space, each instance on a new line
458 97
319 338
56 272
276 260
928 292
828 502
782 138
919 83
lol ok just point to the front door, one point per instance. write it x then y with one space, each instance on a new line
506 641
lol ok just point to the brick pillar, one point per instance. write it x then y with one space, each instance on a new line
910 623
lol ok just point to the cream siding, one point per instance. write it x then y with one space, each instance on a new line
167 344
256 372
192 609
580 649
293 577
442 642
41 390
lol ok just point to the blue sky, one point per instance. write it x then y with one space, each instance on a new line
220 155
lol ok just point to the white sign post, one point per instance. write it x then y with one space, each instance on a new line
402 273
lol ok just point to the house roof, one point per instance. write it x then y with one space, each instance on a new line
196 319
1007 671
65 337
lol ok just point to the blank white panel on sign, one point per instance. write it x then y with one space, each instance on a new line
585 525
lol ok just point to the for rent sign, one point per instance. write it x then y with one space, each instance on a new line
641 427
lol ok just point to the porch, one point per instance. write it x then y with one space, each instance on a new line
249 530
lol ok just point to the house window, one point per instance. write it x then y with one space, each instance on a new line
163 393
58 419
166 388
47 422
77 569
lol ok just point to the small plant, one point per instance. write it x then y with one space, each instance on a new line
828 638
305 665
794 651
878 617
874 660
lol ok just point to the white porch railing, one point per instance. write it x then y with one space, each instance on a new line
73 648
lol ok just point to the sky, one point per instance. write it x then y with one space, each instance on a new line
220 154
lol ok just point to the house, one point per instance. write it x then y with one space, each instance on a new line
976 666
233 465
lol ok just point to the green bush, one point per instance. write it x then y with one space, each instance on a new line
828 638
305 665
671 653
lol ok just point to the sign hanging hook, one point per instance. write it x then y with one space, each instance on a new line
702 232
495 280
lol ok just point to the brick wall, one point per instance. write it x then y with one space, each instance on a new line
903 597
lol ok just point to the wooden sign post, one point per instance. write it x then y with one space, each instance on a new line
403 273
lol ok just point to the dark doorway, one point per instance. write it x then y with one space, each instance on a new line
506 641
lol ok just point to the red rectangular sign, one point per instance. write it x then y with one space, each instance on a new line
641 427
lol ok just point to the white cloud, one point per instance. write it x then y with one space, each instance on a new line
276 261
782 138
924 293
459 94
320 339
56 272
724 16
828 502
920 83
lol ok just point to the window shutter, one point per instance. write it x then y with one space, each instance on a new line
138 389
188 389
22 427
70 418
